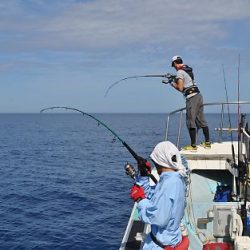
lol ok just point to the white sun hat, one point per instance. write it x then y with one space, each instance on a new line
163 155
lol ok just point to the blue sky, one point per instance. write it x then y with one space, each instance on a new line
68 52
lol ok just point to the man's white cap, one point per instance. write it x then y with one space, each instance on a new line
174 58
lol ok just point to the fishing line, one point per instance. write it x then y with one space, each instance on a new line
140 160
168 76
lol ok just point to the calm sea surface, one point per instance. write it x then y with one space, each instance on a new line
62 180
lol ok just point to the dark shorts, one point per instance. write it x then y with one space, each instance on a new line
194 112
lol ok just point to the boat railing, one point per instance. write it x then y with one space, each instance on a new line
223 110
246 140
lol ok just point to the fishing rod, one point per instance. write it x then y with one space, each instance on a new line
229 118
238 83
241 124
247 185
242 163
141 162
170 79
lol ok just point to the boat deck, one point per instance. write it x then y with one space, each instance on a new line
217 157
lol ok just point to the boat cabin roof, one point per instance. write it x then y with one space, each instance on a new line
217 157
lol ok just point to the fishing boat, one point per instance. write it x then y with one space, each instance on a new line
217 214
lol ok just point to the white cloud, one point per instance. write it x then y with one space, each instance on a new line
106 24
94 43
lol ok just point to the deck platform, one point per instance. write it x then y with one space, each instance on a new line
217 157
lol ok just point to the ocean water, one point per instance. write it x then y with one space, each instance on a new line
62 178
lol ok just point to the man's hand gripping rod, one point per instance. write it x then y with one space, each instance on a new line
170 79
141 162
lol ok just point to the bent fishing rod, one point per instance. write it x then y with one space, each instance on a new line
170 79
141 162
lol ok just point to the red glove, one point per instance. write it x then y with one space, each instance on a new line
137 193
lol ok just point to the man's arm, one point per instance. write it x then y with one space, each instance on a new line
179 84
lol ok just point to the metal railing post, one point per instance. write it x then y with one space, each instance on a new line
179 129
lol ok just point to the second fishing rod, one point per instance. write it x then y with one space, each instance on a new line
142 163
167 79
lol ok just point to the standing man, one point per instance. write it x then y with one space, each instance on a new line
195 119
162 206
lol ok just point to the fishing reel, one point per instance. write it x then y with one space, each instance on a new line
130 170
170 79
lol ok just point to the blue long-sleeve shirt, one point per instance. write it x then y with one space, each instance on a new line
163 209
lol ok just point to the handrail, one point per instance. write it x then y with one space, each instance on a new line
181 110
